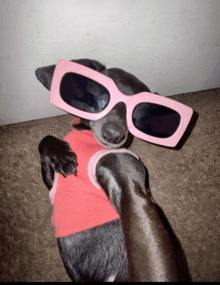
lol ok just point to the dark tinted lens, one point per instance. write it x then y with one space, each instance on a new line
155 120
83 93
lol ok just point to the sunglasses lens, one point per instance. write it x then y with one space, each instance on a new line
155 120
83 93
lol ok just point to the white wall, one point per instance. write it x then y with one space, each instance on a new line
171 45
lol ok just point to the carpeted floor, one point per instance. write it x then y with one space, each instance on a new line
185 183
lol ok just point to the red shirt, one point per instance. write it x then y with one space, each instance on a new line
77 204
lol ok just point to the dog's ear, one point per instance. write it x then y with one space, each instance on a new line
45 74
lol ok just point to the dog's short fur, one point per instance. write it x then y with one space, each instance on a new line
136 247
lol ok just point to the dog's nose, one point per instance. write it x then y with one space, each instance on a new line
113 133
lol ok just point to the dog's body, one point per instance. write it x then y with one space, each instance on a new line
135 247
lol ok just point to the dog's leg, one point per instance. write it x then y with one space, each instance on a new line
56 155
148 245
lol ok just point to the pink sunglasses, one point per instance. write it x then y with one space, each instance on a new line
88 94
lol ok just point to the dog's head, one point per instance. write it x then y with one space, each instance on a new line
111 130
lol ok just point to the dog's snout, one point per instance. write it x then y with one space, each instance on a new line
113 133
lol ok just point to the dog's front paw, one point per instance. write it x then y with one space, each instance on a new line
59 155
65 161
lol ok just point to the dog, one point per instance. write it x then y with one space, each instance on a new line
136 247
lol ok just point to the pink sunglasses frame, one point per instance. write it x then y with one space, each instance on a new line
64 66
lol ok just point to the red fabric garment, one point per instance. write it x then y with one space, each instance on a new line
77 204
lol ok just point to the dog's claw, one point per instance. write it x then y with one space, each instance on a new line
66 163
59 155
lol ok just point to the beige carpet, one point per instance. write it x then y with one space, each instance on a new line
185 183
